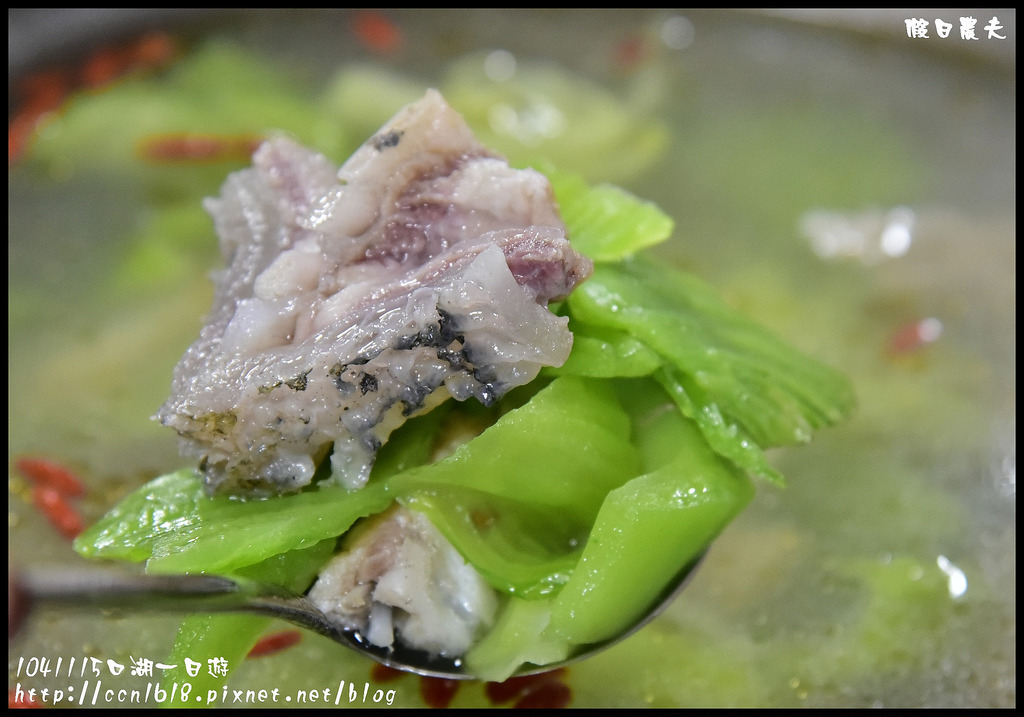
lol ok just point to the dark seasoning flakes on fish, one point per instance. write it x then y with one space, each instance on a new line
356 297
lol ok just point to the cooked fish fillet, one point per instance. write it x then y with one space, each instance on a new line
353 298
398 578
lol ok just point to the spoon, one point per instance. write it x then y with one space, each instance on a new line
97 588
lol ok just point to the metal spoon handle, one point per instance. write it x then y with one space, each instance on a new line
163 593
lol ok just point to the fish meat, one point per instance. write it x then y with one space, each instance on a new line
353 298
399 578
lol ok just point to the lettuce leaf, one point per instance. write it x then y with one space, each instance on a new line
607 223
522 521
744 386
647 530
131 530
601 352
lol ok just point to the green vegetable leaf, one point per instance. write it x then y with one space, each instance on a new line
744 386
164 507
601 352
645 532
668 516
607 223
522 521
229 535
